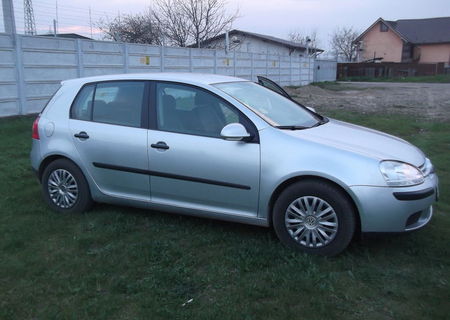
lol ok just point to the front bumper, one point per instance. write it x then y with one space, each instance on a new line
396 209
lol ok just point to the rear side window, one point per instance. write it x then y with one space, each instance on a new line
82 106
118 102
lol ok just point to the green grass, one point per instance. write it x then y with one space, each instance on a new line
123 263
441 78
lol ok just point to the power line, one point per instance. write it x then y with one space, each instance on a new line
69 18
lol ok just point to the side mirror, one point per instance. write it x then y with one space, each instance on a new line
312 109
234 132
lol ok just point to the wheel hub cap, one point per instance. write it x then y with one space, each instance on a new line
62 188
311 221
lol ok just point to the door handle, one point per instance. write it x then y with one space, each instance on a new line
81 135
160 145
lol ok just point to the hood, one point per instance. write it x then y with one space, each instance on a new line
365 141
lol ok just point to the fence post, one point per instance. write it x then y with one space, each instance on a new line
125 57
234 62
252 65
19 74
290 70
79 58
314 71
191 67
279 69
162 52
215 61
299 71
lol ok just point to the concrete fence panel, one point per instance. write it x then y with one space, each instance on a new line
32 67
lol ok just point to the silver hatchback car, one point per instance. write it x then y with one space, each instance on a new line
227 148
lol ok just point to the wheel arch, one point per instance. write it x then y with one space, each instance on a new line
49 159
282 186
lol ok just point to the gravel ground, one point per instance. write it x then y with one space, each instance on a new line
429 100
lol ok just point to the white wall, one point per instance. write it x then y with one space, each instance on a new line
252 44
31 67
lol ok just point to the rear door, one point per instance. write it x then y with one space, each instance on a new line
108 126
191 165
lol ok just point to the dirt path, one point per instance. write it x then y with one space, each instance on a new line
429 100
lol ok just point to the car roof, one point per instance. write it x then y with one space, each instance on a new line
191 78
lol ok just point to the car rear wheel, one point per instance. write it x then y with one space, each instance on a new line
315 217
65 188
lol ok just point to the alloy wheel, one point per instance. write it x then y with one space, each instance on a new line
62 188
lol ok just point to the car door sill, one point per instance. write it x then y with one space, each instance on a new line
177 209
191 211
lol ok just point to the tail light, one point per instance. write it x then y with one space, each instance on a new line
35 130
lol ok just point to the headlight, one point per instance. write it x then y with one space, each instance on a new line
399 174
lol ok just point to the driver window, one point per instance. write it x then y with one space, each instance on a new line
186 109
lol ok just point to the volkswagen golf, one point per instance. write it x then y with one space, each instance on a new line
227 148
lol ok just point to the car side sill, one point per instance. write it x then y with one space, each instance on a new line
245 219
174 209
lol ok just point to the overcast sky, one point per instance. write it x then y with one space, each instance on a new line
272 17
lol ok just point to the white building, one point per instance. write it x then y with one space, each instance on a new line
244 41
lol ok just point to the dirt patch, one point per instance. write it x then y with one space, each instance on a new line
426 100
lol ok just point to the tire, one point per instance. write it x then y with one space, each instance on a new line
65 188
315 217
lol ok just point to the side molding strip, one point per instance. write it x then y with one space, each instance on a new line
169 175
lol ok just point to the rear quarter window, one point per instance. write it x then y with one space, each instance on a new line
82 105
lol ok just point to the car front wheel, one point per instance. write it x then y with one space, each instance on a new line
315 217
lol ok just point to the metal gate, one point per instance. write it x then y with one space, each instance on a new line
325 70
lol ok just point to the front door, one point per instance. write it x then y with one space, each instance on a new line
190 164
109 132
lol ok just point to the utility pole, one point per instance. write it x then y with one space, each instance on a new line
308 43
8 16
90 20
56 24
30 24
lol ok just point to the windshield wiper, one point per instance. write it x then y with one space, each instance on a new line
292 127
320 122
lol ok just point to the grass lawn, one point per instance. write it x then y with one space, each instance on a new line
440 78
124 263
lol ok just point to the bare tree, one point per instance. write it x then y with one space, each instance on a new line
179 21
207 18
300 37
343 43
139 28
173 20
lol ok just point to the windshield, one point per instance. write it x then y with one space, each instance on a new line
271 106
